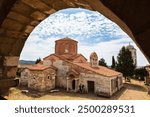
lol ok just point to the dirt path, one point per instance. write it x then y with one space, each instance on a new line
135 91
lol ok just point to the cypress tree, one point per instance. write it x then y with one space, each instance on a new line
125 63
102 62
38 60
113 63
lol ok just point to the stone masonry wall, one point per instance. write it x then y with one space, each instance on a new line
25 75
61 74
38 80
102 84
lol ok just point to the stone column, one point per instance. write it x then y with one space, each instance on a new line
10 64
76 84
67 83
149 90
8 68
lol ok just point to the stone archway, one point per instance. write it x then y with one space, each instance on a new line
72 82
23 16
19 17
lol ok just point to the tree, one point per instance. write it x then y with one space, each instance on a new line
38 61
141 73
102 62
125 63
113 63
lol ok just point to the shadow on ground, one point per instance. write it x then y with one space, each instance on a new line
71 95
135 87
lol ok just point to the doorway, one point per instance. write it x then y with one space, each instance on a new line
91 86
73 84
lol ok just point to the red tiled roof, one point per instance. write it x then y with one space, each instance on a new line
39 67
49 56
99 70
78 55
63 56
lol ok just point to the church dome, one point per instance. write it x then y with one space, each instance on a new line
93 55
66 46
130 46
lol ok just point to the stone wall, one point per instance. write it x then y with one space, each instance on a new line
116 84
8 66
38 80
102 83
61 80
49 79
47 62
25 75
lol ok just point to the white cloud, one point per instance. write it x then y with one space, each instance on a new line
93 31
83 25
36 47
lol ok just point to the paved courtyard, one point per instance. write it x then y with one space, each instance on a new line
136 90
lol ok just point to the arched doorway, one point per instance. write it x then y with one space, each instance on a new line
73 84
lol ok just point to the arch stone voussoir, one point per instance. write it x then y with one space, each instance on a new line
37 4
37 15
18 17
12 25
10 66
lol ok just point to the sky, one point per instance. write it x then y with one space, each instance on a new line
92 30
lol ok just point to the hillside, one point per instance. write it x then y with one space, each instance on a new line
26 62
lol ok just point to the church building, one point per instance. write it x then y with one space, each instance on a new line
74 73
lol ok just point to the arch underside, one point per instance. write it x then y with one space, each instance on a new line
19 17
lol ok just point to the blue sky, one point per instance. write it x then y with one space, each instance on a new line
93 31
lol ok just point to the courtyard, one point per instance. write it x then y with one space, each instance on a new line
136 90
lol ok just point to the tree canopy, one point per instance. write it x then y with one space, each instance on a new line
38 60
113 63
141 73
102 62
125 63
